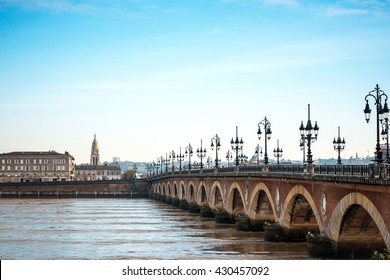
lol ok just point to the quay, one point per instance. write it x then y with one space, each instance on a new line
136 188
341 212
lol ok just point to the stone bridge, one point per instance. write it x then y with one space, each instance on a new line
339 215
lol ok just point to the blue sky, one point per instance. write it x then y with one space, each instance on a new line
149 77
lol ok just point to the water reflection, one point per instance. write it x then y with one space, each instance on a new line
125 229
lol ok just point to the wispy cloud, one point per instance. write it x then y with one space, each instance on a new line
282 3
337 12
52 6
79 7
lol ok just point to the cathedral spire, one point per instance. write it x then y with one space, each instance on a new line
95 158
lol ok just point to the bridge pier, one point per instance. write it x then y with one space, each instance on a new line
183 204
193 207
274 233
176 202
319 246
221 216
243 223
168 200
205 211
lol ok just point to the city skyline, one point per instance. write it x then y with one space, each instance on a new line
149 77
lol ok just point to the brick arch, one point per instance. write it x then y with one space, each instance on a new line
182 190
202 194
160 189
216 196
252 209
343 206
288 205
232 201
168 189
191 192
175 189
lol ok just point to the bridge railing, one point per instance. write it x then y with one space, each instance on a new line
347 170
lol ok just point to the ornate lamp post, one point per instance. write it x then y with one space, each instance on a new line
258 153
189 153
172 156
166 162
180 158
302 146
309 135
385 131
278 152
267 129
243 158
229 157
339 146
217 145
160 161
377 94
237 145
201 154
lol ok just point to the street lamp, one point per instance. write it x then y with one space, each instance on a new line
229 157
237 145
258 153
217 145
172 156
201 153
338 145
309 135
267 129
243 158
166 161
180 158
160 161
189 153
302 146
278 152
385 131
380 114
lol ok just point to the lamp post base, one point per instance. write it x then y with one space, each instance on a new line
308 168
379 170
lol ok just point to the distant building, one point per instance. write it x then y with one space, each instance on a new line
36 167
96 171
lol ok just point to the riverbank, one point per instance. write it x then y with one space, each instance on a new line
76 189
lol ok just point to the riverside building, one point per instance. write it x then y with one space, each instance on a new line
48 166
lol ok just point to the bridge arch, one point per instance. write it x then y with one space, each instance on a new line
298 210
342 209
235 203
174 189
182 190
261 205
191 194
168 189
216 197
202 193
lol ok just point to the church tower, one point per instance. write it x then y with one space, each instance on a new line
95 158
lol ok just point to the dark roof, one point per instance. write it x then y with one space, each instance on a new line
29 153
97 167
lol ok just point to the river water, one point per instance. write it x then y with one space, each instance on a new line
111 229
